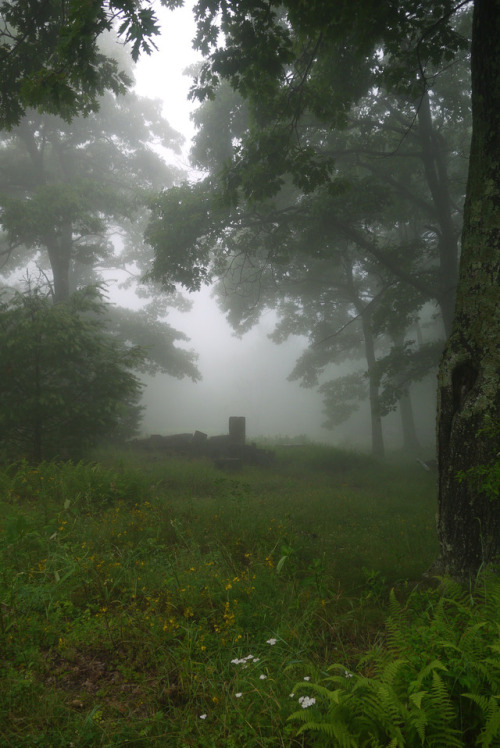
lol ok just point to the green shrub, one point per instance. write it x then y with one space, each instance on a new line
65 381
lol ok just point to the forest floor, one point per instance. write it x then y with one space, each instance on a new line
158 601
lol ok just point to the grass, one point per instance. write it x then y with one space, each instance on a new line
161 602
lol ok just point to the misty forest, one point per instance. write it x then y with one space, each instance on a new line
250 373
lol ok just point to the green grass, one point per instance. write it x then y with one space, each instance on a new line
129 588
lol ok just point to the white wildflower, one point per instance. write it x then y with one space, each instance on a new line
203 716
307 677
272 642
238 695
262 676
347 674
306 701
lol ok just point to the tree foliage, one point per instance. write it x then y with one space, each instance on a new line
67 190
375 242
66 381
50 55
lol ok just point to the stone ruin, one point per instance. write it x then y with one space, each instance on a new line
228 451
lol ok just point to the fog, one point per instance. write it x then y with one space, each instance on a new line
244 376
241 376
248 375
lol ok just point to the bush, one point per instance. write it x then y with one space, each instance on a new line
65 382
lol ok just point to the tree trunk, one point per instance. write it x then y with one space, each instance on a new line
378 449
59 249
438 182
410 438
469 378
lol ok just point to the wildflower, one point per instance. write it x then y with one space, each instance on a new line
292 695
306 701
238 695
307 677
262 676
347 674
272 642
203 716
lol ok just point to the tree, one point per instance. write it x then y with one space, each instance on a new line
279 55
469 377
376 218
66 382
413 35
67 188
51 58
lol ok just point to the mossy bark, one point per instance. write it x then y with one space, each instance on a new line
469 378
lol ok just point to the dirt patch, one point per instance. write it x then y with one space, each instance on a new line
111 678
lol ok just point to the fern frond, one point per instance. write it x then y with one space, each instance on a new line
491 730
419 721
425 671
391 670
442 698
335 731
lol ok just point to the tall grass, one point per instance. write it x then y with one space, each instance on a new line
162 602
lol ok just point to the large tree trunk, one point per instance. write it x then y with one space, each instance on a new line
469 378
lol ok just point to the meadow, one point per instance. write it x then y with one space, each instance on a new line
157 601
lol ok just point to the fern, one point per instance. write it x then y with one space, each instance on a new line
491 710
436 684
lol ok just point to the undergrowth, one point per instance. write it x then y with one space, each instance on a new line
435 682
161 602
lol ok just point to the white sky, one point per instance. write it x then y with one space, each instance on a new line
161 75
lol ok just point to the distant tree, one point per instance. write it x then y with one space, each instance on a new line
51 58
71 196
377 218
66 382
65 187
